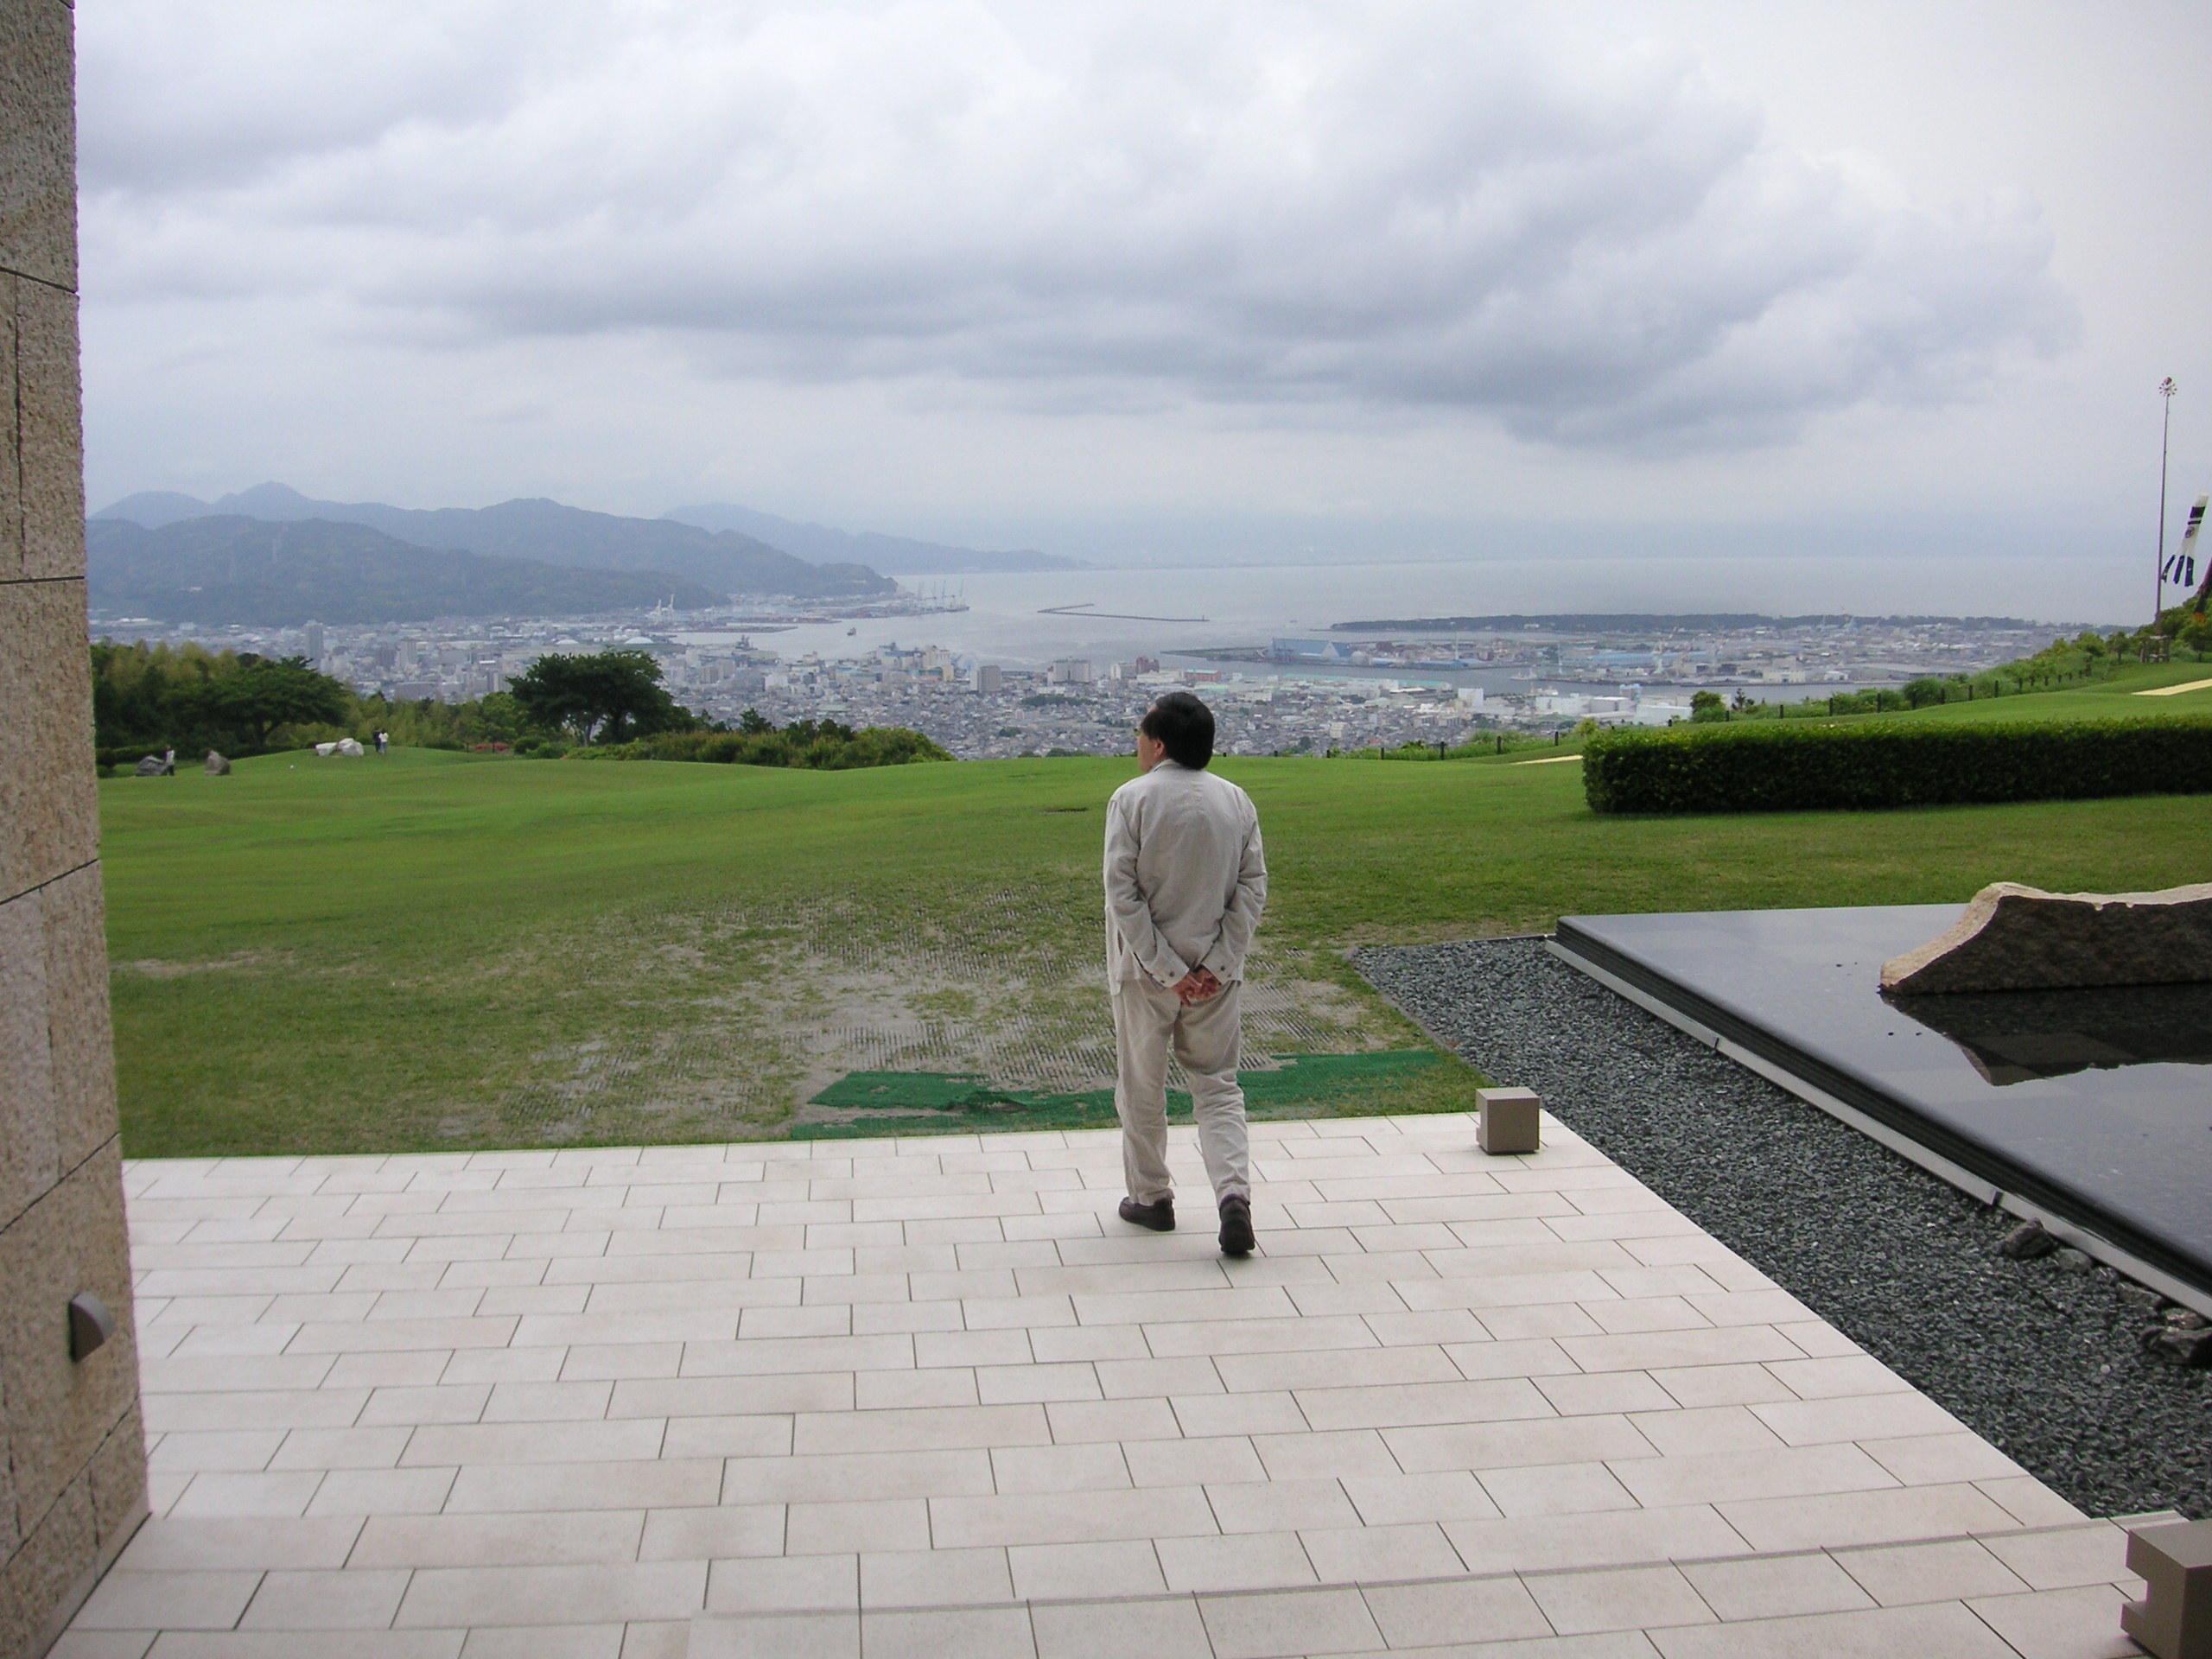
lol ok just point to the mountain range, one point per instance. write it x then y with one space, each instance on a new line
229 570
896 556
687 542
725 561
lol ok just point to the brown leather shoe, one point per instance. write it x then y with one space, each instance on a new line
1160 1217
1236 1226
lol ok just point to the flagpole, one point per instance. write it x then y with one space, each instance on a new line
2166 390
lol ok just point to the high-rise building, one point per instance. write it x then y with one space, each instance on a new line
985 679
313 637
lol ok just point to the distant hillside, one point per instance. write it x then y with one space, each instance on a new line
894 554
238 571
546 530
1640 622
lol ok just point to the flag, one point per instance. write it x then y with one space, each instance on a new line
2185 561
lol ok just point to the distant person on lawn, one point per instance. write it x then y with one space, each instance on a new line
1185 881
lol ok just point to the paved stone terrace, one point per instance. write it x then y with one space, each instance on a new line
929 1397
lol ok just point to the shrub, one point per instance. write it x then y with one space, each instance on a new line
1781 768
823 747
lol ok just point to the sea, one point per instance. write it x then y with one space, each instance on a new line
1116 614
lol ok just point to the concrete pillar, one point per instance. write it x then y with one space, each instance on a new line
72 1480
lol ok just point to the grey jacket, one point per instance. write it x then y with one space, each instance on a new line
1186 876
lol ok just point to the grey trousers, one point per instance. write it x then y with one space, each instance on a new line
1205 1037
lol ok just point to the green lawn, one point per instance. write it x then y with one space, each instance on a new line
435 951
2118 698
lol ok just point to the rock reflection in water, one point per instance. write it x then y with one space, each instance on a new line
2015 1036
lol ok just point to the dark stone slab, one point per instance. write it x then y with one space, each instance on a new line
2095 1106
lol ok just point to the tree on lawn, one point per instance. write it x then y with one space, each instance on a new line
265 693
608 696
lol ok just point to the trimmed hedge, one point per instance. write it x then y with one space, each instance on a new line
802 745
1782 766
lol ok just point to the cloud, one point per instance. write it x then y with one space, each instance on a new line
1400 206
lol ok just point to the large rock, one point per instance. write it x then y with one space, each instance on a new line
217 765
2020 938
154 766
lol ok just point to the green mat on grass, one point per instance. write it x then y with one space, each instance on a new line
950 1103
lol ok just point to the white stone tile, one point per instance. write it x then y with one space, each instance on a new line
620 1440
928 1428
174 1601
354 1600
1839 1520
1252 1560
1936 1459
2078 1624
1778 1472
238 1495
1951 1569
700 1532
453 1597
854 1477
1096 1466
1555 1488
1049 1518
2030 1503
1158 1629
1086 1572
1281 1505
1371 1554
1776 1587
1945 1631
973 1633
358 1492
2062 1559
185 1452
1624 1598
1536 1543
935 1577
1075 1420
540 1538
1886 1416
1482 1447
1828 1379
1310 1623
1395 1500
1455 1613
875 1524
662 1483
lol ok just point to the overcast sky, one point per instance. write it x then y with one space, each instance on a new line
1136 277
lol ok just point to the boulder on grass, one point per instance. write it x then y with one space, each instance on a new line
154 766
2021 938
217 765
350 748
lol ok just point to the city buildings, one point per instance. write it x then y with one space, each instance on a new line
1291 696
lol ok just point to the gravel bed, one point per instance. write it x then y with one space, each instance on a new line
2043 1358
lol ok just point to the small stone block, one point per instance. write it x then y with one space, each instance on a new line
2173 1618
1508 1119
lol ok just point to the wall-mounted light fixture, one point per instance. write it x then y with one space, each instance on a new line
90 1323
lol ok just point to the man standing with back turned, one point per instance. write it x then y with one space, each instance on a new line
1185 881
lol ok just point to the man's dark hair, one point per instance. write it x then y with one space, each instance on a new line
1183 725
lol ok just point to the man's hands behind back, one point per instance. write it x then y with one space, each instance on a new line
1197 986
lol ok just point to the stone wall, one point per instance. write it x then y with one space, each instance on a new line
72 1480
